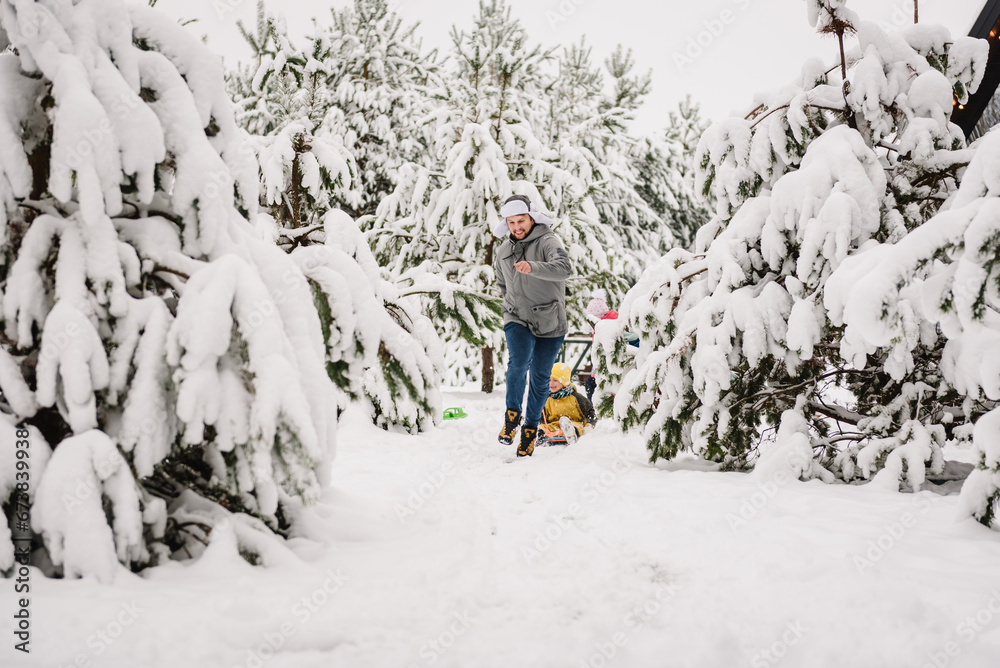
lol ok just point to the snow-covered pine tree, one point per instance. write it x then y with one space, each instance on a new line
161 349
283 98
440 218
359 80
305 171
587 181
739 334
380 348
665 174
264 89
379 76
944 273
619 201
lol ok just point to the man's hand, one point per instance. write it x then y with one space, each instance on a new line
523 267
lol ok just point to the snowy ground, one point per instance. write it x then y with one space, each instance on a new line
444 551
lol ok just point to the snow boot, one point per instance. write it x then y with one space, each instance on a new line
510 422
568 430
527 444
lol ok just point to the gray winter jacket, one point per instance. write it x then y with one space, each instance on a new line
536 300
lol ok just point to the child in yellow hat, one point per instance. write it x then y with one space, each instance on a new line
566 409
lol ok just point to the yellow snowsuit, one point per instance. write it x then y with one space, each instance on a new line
574 405
567 406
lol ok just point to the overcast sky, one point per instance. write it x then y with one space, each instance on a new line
722 52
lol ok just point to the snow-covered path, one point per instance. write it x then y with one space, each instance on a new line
442 551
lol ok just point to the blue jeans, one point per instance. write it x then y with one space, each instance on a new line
529 354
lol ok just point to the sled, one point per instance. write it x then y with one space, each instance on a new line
454 413
547 438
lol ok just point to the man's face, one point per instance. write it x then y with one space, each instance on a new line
520 225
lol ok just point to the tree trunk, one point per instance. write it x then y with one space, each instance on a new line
293 191
488 261
488 370
846 87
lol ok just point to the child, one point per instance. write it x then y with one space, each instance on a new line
598 310
566 409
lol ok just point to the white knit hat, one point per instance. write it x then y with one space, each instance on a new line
514 207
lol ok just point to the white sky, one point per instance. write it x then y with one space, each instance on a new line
722 52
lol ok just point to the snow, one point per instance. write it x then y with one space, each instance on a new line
15 390
323 160
228 299
293 300
84 472
15 172
72 365
983 483
37 459
439 550
148 425
26 301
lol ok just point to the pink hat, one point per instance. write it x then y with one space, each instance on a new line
597 307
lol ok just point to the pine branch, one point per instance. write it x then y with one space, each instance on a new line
892 147
298 233
753 112
47 206
838 110
838 413
168 270
844 436
778 391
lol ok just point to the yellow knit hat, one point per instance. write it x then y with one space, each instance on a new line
562 373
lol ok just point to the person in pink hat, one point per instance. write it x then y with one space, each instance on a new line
597 310
598 307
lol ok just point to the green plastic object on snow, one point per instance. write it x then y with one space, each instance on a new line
454 413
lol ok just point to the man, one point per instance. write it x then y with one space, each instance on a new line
531 267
